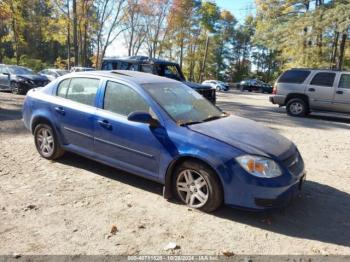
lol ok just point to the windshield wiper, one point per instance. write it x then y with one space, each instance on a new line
205 120
214 118
191 123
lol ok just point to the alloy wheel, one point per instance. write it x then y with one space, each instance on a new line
296 108
192 188
45 141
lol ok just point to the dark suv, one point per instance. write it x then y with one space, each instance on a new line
157 67
19 79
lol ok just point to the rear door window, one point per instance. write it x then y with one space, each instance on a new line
81 90
147 69
344 81
63 88
109 65
123 66
294 76
323 79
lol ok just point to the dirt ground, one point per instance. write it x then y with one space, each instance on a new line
70 206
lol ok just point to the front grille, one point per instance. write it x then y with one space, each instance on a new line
209 94
294 163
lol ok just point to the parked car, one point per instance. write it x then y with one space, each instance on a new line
255 85
53 73
163 130
19 79
306 90
218 85
81 69
157 67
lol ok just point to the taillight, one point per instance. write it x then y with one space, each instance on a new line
274 90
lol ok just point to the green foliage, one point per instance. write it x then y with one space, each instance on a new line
35 64
206 40
304 33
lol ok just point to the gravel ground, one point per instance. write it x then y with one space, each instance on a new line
70 206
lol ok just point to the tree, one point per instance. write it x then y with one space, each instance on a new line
135 33
75 33
309 33
110 15
154 14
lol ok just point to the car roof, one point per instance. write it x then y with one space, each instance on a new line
133 76
140 60
319 69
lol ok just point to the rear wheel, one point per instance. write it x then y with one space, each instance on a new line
197 186
46 142
297 107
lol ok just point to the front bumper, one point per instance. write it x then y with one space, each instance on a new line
246 191
264 197
25 87
283 199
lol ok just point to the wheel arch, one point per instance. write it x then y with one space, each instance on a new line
297 95
40 120
167 190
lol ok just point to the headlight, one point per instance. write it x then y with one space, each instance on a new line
259 166
22 79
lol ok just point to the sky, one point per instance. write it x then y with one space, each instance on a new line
239 8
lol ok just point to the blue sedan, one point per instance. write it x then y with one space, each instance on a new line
162 130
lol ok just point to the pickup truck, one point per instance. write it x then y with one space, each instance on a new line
303 91
157 67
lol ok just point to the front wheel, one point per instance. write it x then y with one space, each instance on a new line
14 88
46 142
197 186
297 107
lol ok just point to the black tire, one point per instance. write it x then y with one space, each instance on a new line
213 186
297 107
14 88
55 150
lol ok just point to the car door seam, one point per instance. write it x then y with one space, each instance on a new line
123 147
77 132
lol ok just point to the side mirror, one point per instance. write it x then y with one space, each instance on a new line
6 74
143 117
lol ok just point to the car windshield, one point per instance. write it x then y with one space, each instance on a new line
182 103
62 72
18 70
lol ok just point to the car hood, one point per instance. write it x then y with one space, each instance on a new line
33 77
196 86
246 135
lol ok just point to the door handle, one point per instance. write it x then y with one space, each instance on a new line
312 89
105 124
60 110
339 92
